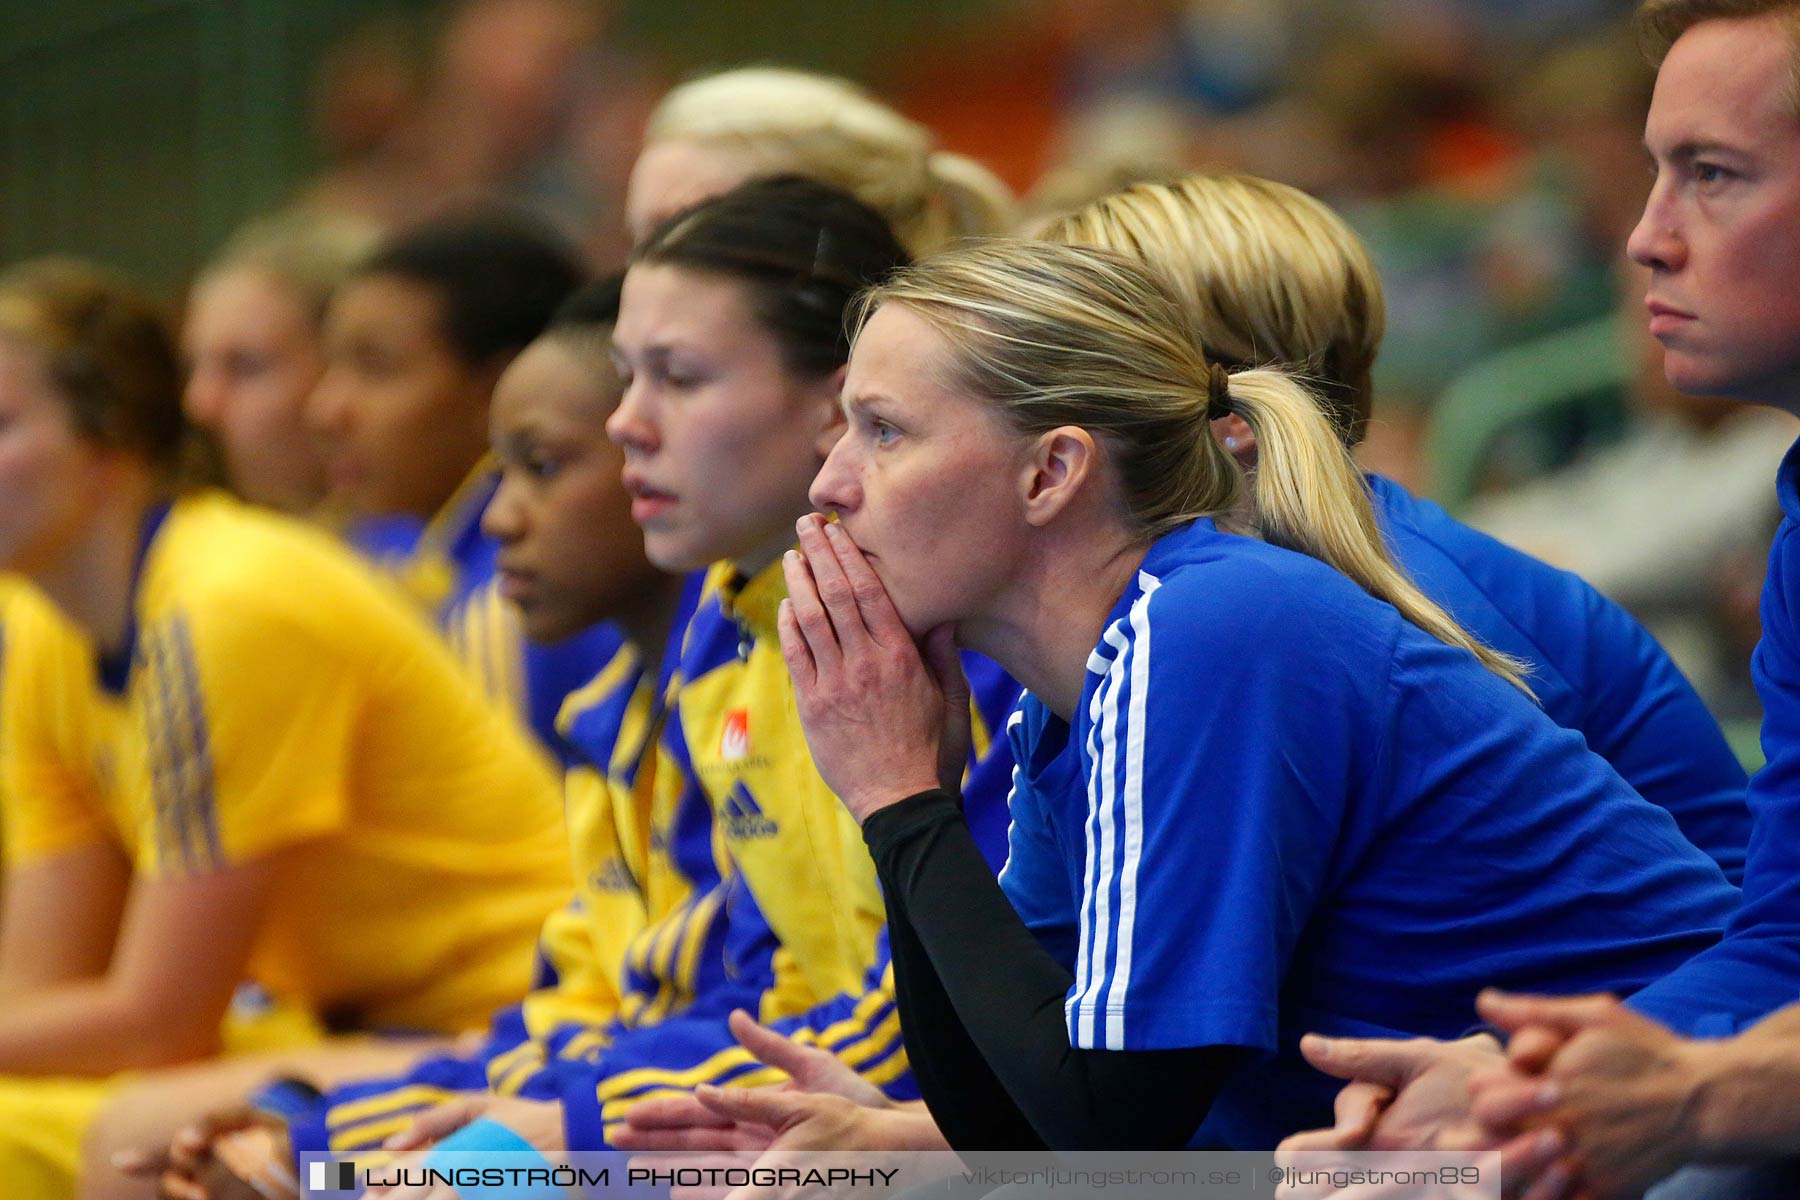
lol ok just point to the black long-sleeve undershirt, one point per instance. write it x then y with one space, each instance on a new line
981 1010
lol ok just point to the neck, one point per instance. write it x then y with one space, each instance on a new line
91 582
1051 619
648 623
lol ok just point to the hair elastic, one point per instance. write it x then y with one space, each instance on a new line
1218 393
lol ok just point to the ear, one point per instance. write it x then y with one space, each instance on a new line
1234 433
1060 465
831 414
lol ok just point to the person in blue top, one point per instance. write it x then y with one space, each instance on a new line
1266 273
1619 1090
1264 783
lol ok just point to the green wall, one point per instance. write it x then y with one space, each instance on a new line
140 132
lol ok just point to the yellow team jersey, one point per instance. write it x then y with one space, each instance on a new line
279 698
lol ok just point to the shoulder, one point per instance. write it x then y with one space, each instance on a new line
256 587
218 553
1253 603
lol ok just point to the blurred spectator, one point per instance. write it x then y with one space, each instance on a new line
365 120
712 133
526 103
253 339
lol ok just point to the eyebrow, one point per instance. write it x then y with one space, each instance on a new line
861 401
1695 148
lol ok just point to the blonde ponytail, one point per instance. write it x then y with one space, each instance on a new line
1061 335
1309 496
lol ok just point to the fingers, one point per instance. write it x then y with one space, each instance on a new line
179 1187
141 1164
770 1048
1388 1062
1530 1158
1358 1107
435 1125
866 589
1567 1015
807 608
757 1106
1556 1183
682 1123
1531 1050
1506 1106
673 1112
794 650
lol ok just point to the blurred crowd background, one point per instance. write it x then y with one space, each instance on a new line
1489 151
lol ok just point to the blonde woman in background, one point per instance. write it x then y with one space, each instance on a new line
712 133
254 343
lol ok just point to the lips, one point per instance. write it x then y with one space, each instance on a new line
647 502
515 586
1665 318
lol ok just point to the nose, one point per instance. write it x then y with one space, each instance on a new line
1656 240
504 518
327 406
835 488
204 397
630 425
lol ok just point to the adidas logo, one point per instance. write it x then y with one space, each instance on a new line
744 819
611 876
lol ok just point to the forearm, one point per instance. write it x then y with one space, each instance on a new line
97 1027
965 1098
1743 1103
1007 993
906 1126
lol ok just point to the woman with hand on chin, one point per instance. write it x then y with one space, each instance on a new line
1264 784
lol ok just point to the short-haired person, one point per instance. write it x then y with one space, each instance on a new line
1720 235
253 338
1264 783
712 133
415 341
232 762
1268 274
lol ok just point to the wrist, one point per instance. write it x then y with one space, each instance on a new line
866 804
1733 1102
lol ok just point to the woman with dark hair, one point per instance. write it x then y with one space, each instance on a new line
415 342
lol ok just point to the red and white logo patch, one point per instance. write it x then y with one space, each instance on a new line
734 743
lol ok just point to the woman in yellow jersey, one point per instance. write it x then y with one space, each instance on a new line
569 557
228 756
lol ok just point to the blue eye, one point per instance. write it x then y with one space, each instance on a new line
885 434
